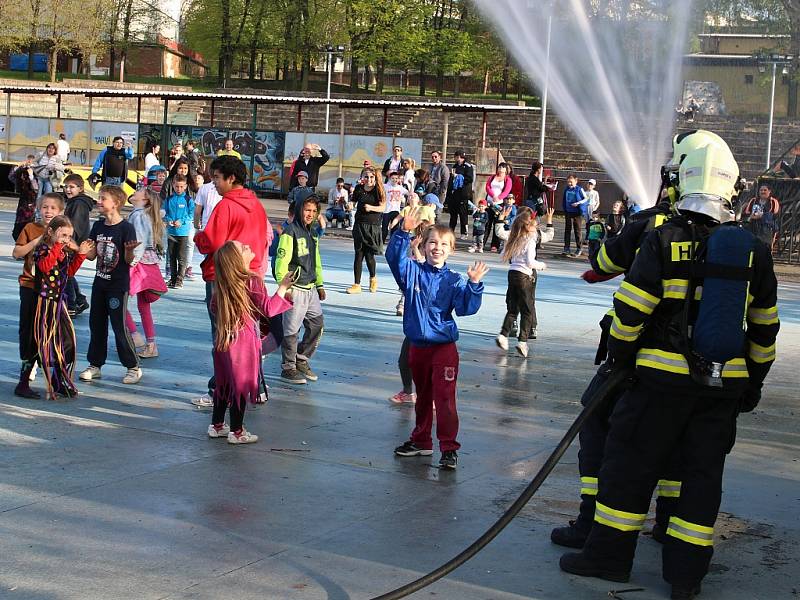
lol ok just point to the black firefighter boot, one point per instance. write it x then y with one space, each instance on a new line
684 592
574 535
578 563
23 389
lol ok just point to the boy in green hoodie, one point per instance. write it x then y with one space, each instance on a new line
298 252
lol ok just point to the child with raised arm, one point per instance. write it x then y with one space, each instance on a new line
49 206
57 258
433 292
114 243
241 303
520 253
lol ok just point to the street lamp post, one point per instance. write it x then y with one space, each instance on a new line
544 92
329 50
774 60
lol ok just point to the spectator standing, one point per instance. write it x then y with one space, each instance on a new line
498 187
393 163
439 176
370 200
574 198
301 191
517 187
479 219
49 170
616 220
179 216
113 162
408 177
761 214
459 191
228 150
62 147
536 190
309 164
193 156
151 159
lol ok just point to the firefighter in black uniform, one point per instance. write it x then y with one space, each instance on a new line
679 315
616 256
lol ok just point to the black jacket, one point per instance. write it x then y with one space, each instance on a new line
78 210
463 194
312 168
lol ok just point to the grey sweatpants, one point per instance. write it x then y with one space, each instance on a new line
306 311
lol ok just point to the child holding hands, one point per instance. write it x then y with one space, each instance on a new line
242 307
432 293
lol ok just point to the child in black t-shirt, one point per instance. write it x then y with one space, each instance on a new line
114 240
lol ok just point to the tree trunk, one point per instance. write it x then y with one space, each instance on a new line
486 81
405 79
53 63
261 68
457 85
353 75
439 82
306 71
225 45
505 78
379 76
422 77
126 36
367 77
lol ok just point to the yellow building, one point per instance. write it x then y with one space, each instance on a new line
729 60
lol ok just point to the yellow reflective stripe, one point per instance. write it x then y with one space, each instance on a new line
675 288
763 316
624 332
637 298
674 362
589 486
761 354
618 519
664 361
736 367
605 263
660 219
699 535
669 489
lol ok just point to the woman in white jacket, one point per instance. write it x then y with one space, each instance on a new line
520 252
49 170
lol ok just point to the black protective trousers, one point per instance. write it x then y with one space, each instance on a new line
648 426
592 448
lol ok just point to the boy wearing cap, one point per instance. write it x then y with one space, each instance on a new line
301 191
479 219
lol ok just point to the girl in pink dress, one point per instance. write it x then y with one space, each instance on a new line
242 307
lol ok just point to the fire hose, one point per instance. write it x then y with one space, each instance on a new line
616 379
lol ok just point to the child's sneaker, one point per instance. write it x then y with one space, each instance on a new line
502 341
222 432
533 334
133 375
373 284
305 370
189 275
354 289
293 376
204 401
404 398
243 437
472 249
138 340
522 349
449 459
411 449
89 373
480 250
150 350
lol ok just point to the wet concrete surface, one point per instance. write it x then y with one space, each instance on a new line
120 494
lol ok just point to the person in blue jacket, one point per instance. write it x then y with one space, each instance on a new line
113 161
178 215
574 200
433 292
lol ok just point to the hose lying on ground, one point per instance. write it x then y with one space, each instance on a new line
615 379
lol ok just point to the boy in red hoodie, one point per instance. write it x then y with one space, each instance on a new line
238 216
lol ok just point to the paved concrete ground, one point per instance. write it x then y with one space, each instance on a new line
119 493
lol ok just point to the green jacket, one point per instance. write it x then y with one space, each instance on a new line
298 247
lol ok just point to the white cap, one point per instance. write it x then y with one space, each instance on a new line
592 181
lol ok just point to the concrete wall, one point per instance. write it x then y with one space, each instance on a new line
744 89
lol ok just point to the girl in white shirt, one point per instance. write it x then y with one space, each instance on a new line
520 252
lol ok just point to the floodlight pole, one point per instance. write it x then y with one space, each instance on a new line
329 52
771 114
544 93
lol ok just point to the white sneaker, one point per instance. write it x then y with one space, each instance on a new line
502 341
480 250
245 437
32 376
471 249
222 432
133 375
522 348
204 401
89 373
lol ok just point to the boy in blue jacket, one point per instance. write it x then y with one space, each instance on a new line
178 215
574 199
432 293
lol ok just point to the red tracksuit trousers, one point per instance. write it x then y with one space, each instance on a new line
435 371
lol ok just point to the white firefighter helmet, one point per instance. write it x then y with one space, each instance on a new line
684 143
708 178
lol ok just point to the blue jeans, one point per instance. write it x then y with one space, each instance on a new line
45 186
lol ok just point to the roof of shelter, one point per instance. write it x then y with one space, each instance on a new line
264 99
